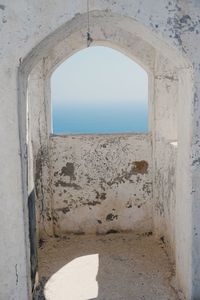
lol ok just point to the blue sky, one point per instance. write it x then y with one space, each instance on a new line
99 89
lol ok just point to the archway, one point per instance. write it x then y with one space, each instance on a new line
163 77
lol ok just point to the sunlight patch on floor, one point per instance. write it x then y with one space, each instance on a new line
117 266
75 281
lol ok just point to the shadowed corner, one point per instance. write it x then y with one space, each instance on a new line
76 280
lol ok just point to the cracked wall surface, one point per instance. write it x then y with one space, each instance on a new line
36 36
101 183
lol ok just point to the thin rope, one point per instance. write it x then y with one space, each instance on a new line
89 38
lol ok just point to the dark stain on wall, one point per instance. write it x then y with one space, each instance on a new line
196 162
41 187
185 19
55 217
111 217
67 184
38 174
97 175
32 237
68 170
101 196
112 231
140 167
129 205
2 6
179 23
63 209
147 187
91 203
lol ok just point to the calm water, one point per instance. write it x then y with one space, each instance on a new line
100 119
99 90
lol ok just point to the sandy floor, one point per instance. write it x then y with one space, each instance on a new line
105 267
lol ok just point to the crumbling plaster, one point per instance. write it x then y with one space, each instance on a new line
30 33
101 183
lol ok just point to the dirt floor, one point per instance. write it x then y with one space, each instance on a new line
105 267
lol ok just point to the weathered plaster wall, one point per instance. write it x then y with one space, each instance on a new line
165 196
166 93
101 183
38 114
40 98
29 30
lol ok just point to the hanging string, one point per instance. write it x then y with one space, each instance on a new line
89 38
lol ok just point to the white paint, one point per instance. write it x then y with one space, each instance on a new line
101 183
161 36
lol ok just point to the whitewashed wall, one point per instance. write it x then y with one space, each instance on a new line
165 195
101 183
29 33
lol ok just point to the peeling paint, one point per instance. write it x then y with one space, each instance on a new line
2 6
102 174
111 217
140 167
67 184
68 170
164 38
64 210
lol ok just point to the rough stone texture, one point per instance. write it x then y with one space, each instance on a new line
36 36
101 183
114 267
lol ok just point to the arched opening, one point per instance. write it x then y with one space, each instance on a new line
99 90
135 162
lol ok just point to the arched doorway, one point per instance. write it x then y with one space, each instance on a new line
164 80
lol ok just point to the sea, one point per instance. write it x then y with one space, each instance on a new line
97 119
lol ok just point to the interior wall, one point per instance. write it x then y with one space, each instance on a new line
29 31
163 112
163 107
38 114
166 89
105 35
101 183
183 213
165 195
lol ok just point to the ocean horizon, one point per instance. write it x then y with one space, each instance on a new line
86 119
99 90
